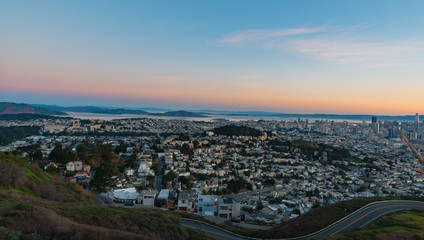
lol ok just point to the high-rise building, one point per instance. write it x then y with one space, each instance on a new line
374 119
375 127
417 119
391 133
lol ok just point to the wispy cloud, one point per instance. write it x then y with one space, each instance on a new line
341 45
258 34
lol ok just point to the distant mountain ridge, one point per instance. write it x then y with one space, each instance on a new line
22 108
104 110
15 108
7 108
181 113
28 116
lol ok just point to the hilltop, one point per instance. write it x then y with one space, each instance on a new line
38 205
233 130
182 113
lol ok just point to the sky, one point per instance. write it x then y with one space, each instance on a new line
355 57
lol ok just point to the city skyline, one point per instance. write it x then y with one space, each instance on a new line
293 57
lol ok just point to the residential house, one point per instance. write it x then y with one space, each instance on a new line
206 205
74 166
147 197
228 208
186 201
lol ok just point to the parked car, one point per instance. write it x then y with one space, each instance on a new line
235 220
129 204
107 201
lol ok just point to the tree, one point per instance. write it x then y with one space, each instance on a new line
83 151
259 206
184 180
316 192
269 182
103 179
316 204
62 155
57 153
37 155
68 155
276 200
33 152
131 161
196 144
236 185
182 137
106 151
52 170
169 177
121 148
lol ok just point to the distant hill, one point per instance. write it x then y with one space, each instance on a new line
59 110
232 130
27 116
102 110
182 113
16 108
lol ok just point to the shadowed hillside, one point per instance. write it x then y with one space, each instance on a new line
36 205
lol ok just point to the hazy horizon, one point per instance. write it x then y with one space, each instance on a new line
217 112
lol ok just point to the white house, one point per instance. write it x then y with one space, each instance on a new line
148 197
74 166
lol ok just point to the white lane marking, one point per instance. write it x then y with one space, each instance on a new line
203 230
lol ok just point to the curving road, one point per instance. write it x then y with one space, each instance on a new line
367 215
209 230
358 219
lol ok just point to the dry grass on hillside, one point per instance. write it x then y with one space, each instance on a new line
47 222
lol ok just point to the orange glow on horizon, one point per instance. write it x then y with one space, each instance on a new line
235 95
237 100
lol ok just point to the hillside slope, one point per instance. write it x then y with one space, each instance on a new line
36 205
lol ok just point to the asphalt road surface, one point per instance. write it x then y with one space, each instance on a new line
369 214
209 230
358 220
